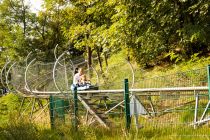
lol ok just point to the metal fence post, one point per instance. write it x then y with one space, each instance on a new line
196 109
208 72
75 122
127 104
52 119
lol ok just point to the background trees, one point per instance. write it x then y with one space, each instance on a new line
153 32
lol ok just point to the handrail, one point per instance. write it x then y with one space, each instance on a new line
131 90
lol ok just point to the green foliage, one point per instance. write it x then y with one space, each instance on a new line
152 32
173 56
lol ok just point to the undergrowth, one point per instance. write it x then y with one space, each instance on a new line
18 129
8 104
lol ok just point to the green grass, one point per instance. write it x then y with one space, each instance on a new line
8 104
193 63
25 130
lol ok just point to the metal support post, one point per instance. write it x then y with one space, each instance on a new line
127 104
208 73
32 109
52 119
196 109
75 121
21 106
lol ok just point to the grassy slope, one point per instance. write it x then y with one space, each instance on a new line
119 69
193 63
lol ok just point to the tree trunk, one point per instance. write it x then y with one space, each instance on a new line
105 58
99 58
89 55
23 17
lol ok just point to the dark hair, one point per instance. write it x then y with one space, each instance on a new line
75 71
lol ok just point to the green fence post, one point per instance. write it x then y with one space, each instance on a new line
52 119
208 72
127 104
75 108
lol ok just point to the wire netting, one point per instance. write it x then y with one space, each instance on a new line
190 78
112 75
17 77
63 75
172 110
40 76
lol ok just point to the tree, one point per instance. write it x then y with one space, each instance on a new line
153 32
15 17
89 21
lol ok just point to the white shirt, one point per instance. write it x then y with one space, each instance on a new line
76 79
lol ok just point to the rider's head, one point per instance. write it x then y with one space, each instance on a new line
80 71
